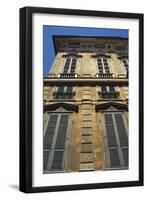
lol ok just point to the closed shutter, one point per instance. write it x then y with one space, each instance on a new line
112 141
103 66
106 66
117 140
100 65
69 92
73 65
122 135
48 139
54 145
66 66
59 148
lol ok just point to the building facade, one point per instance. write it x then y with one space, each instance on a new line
86 105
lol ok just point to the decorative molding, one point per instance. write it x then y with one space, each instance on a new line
113 105
61 107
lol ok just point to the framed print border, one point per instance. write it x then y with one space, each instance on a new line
26 99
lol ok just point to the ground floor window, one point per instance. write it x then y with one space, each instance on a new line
116 140
54 143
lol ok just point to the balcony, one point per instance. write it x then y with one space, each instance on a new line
109 95
104 75
63 95
67 75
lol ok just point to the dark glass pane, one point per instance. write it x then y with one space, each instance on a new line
66 66
69 90
114 158
103 89
112 89
60 90
57 160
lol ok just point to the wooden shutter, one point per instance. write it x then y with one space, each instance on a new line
122 135
60 93
100 65
60 142
66 66
106 66
73 65
48 139
117 140
111 141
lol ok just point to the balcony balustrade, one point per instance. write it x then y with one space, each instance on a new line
104 75
109 95
67 75
63 95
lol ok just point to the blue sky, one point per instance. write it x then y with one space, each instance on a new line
49 31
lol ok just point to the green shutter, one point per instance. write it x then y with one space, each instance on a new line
111 141
55 142
66 66
73 65
117 140
48 139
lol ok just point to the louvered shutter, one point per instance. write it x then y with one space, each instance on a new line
59 149
60 93
66 66
48 139
100 66
111 141
73 65
123 138
69 92
106 66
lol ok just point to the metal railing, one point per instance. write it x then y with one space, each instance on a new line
63 95
109 95
104 75
67 75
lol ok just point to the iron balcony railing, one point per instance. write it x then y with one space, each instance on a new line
63 95
109 95
104 75
67 75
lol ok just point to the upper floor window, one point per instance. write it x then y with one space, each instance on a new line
126 63
70 65
103 66
108 92
64 92
54 142
116 140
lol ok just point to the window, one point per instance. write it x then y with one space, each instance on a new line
108 92
55 139
103 66
64 92
70 65
116 140
126 63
